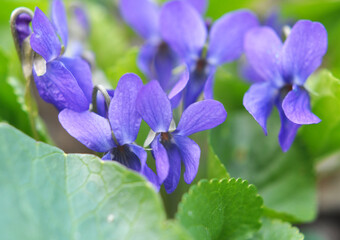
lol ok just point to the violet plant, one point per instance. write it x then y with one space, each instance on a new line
118 195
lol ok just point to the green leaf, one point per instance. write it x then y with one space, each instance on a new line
52 195
226 209
323 138
278 230
215 168
286 181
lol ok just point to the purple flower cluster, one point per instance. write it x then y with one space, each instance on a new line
175 34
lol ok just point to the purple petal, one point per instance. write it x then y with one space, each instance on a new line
262 48
102 108
201 116
296 106
227 36
88 128
59 87
146 59
161 159
259 102
151 177
288 130
82 18
142 16
81 71
140 153
248 73
59 20
180 85
124 118
174 175
194 87
199 5
190 153
22 26
209 86
44 39
183 29
154 107
303 50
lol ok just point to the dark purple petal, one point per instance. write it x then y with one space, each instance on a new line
88 128
194 88
146 59
161 159
102 108
59 87
288 130
227 36
259 101
171 182
262 48
81 71
296 106
124 118
154 107
126 157
183 29
199 5
176 100
44 39
201 116
151 177
303 50
190 153
140 153
59 20
142 16
22 26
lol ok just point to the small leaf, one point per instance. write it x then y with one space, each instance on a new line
52 195
225 209
278 230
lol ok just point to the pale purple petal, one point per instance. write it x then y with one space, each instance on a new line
227 36
288 130
171 182
22 26
161 159
209 86
259 101
81 71
262 49
296 106
183 29
82 18
142 16
140 153
199 5
44 39
201 116
59 20
154 107
124 118
303 50
88 128
146 59
248 73
59 87
190 153
180 85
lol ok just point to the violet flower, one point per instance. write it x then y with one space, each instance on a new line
156 59
114 136
185 31
171 148
284 69
62 81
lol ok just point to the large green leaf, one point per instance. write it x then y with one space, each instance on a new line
286 181
47 194
323 138
225 209
278 230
